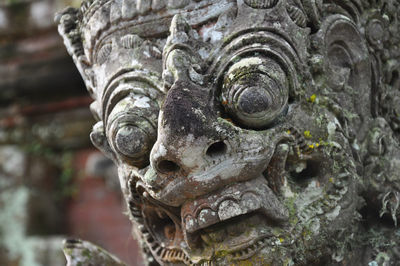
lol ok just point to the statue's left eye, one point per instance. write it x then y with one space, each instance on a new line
255 92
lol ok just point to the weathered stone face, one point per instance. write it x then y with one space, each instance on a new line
249 132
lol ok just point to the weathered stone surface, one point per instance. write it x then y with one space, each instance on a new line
258 132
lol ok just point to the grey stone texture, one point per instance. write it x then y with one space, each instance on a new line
260 132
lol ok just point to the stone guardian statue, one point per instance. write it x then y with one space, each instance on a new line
247 132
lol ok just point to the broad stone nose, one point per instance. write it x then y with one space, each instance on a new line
186 137
191 156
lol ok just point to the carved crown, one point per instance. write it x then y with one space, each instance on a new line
84 29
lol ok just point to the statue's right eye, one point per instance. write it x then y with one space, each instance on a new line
131 141
131 128
255 92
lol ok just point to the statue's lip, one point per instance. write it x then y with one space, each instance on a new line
232 201
252 242
175 191
180 188
248 249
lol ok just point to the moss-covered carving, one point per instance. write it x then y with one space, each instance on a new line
249 132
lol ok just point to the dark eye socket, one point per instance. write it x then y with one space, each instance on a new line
254 92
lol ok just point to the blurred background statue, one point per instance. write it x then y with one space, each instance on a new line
248 132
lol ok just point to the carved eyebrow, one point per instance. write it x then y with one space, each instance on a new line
248 39
262 41
111 96
140 22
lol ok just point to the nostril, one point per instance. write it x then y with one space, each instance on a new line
216 149
166 166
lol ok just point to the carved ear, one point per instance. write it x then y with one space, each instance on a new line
347 55
99 140
346 66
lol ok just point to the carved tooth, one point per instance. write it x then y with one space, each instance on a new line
190 224
207 217
141 228
163 253
228 209
250 202
136 214
158 250
134 207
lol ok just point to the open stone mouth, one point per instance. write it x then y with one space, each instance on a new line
234 205
218 219
233 233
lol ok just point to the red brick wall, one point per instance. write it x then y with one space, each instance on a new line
96 214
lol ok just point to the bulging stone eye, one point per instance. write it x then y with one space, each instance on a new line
255 92
132 141
131 125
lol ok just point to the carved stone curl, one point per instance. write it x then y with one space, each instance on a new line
259 132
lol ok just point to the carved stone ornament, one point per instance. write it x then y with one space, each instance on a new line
249 132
